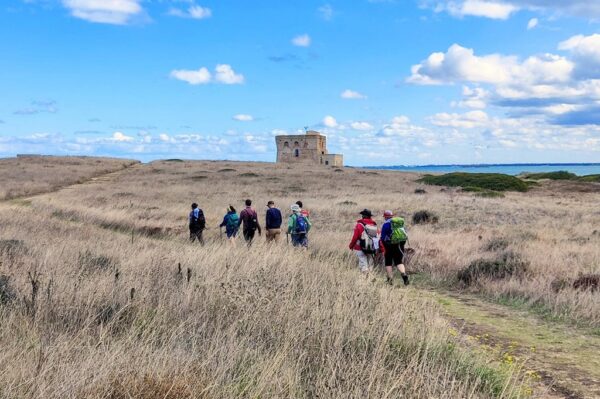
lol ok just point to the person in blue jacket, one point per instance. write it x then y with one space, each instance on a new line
231 223
273 222
393 253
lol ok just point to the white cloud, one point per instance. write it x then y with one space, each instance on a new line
117 12
301 40
194 11
361 126
400 120
326 12
460 64
329 121
352 95
467 120
533 22
120 137
223 74
502 9
243 118
586 53
164 137
481 8
473 98
199 77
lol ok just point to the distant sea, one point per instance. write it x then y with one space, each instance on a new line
579 169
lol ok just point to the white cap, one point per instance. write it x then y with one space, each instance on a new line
295 208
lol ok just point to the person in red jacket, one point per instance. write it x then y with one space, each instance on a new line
365 260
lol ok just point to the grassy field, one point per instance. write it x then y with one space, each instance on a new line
103 297
33 175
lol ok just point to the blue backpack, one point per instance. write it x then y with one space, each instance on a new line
301 225
232 222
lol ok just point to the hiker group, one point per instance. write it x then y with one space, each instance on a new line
298 224
368 242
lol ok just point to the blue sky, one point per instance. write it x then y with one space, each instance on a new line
389 82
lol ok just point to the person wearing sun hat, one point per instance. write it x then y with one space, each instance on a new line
364 246
393 237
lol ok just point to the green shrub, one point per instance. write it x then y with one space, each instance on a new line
474 181
590 178
505 265
422 217
174 160
559 175
249 174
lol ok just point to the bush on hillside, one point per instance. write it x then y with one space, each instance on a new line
559 175
420 191
422 217
507 264
590 178
474 181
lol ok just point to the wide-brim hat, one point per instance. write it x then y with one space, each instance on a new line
388 214
366 212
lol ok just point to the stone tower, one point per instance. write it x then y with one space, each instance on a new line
306 148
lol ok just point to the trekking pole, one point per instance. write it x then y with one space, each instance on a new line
287 238
221 230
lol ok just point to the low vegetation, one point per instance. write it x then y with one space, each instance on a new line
109 299
562 175
477 181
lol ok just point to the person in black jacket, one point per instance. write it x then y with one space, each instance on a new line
273 223
197 224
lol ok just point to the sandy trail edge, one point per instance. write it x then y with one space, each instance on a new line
566 359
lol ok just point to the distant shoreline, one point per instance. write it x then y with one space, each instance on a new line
479 165
580 169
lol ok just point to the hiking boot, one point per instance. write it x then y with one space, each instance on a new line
405 279
390 281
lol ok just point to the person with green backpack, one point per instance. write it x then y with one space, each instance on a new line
298 227
231 223
394 237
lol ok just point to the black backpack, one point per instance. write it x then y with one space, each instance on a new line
199 221
252 221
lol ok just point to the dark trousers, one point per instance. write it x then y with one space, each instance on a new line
249 236
196 234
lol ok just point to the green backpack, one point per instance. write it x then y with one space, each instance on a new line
398 231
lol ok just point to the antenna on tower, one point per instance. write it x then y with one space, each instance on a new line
305 129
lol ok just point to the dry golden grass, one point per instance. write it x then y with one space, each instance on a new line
112 317
32 175
557 232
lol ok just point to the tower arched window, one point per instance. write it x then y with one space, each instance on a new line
296 152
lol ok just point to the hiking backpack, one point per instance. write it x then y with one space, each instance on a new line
198 219
368 239
252 221
301 225
398 231
232 222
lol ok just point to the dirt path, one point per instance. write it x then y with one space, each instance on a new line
565 360
92 179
